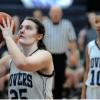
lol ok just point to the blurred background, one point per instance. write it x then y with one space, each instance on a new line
75 10
81 14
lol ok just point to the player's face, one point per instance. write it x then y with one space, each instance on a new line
97 24
28 33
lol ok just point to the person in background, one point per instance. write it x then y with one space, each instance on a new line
82 46
38 14
17 22
59 32
74 73
90 28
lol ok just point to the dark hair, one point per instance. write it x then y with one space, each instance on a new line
40 30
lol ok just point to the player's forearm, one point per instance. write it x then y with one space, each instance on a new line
15 53
4 63
83 95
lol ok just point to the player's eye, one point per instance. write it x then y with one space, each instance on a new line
20 27
28 27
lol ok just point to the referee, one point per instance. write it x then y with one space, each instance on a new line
58 33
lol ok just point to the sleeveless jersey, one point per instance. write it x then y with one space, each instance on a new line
29 85
94 67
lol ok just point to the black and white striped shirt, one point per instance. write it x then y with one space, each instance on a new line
57 36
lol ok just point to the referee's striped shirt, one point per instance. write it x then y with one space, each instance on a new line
57 36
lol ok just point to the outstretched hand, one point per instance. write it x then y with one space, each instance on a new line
7 28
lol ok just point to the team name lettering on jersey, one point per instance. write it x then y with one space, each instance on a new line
95 62
21 79
95 74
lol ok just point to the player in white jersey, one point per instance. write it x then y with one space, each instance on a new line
91 86
31 66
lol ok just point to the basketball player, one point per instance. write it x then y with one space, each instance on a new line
91 86
31 67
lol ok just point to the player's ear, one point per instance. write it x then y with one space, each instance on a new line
40 36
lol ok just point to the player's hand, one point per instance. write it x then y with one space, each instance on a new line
7 28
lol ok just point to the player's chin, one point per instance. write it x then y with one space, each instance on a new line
22 41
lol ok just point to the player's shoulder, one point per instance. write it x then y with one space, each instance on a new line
44 52
91 43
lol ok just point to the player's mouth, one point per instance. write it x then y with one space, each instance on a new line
21 36
98 29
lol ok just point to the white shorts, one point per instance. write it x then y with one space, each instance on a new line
93 92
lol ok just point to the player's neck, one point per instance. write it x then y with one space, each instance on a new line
27 50
98 41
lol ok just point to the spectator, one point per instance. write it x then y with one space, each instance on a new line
90 31
37 14
82 45
17 22
86 35
74 73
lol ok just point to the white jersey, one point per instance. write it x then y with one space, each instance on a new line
94 68
29 85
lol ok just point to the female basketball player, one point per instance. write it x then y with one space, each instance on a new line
31 67
91 86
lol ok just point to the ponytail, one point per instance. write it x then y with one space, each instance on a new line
41 45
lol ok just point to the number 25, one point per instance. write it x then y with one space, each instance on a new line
15 94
